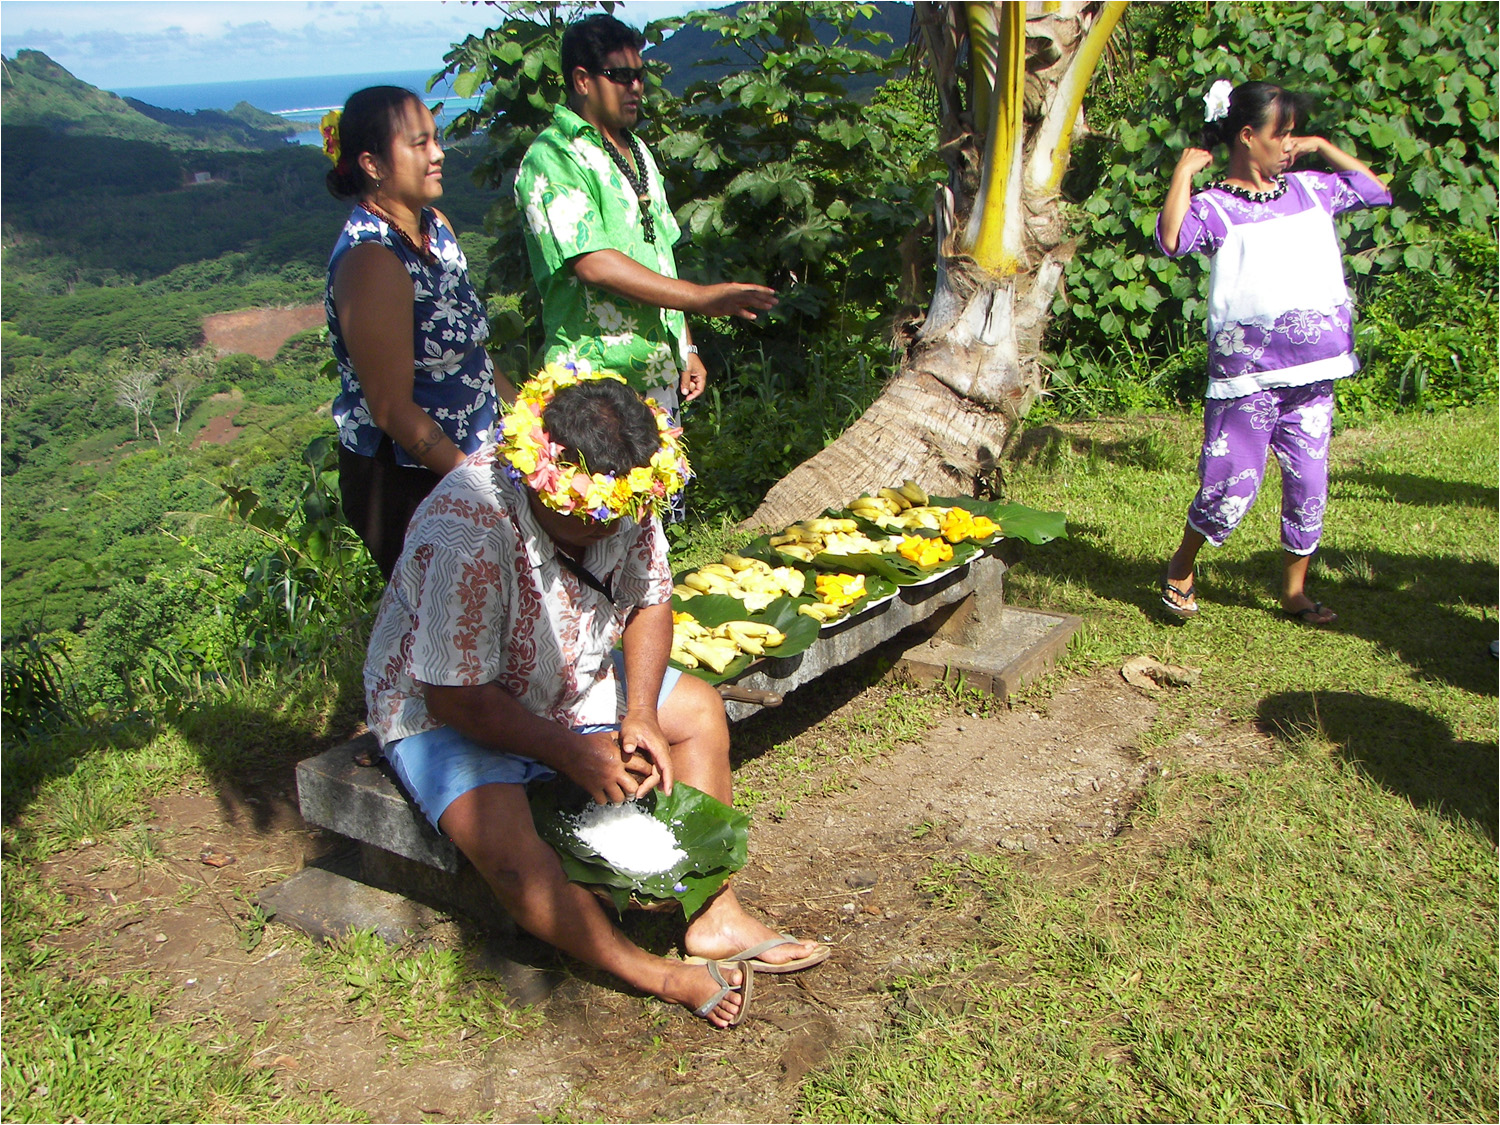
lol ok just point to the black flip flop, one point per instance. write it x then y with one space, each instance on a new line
1309 614
1169 591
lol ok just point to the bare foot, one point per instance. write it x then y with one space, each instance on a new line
724 929
692 986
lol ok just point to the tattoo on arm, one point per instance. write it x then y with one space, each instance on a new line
426 444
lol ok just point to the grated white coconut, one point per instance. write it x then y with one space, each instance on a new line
629 839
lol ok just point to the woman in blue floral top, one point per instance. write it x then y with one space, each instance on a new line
417 391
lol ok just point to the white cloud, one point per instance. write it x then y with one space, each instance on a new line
116 44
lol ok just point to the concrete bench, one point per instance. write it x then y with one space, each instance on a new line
351 791
958 623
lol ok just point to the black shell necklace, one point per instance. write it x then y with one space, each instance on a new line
636 178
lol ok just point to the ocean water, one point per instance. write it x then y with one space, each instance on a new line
302 101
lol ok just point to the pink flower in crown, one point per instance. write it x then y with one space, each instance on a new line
546 478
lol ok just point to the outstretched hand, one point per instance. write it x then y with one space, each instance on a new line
736 298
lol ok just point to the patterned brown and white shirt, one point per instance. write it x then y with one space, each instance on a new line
479 596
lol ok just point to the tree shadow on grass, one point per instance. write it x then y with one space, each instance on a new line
1409 488
1153 448
250 755
1407 750
1401 602
1405 604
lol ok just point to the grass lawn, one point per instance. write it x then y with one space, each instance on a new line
1311 937
1314 939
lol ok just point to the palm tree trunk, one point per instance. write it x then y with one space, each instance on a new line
973 370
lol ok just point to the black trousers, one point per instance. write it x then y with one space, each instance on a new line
379 497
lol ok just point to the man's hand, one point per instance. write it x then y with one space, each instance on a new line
694 378
734 298
608 774
641 737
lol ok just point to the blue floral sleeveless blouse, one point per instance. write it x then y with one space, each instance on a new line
454 382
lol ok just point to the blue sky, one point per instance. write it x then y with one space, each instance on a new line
120 44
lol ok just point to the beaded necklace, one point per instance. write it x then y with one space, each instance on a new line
423 251
636 178
1278 189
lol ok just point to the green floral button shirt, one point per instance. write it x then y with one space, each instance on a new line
575 201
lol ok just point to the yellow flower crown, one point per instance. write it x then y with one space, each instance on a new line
532 456
329 127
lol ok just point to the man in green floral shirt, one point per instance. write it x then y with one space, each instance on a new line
599 232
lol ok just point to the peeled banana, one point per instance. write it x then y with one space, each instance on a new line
820 611
695 645
752 581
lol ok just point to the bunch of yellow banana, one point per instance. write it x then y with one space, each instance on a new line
752 581
695 644
889 501
923 515
811 538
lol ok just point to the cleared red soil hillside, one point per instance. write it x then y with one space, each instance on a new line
259 332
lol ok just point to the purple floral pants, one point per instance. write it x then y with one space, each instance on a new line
1292 422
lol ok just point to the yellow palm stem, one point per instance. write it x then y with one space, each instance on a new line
983 46
995 230
1049 154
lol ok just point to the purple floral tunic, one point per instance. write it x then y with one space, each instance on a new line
1279 312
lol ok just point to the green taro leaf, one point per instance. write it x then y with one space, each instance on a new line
1016 521
714 836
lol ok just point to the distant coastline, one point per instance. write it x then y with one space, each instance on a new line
301 101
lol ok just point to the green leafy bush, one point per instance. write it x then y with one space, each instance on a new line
1428 340
1366 67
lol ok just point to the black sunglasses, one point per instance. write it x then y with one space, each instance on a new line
624 75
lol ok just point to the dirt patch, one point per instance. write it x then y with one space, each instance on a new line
259 332
219 430
846 867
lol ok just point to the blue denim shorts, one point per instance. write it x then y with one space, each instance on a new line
438 766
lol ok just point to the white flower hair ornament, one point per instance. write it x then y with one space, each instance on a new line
1216 101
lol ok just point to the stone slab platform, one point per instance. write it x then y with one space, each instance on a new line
326 905
1024 646
339 790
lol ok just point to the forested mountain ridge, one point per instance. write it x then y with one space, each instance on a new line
37 92
114 532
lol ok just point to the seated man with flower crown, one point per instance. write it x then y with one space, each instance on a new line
494 663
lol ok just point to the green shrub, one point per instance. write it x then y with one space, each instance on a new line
1428 340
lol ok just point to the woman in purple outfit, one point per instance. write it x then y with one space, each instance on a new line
1280 325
